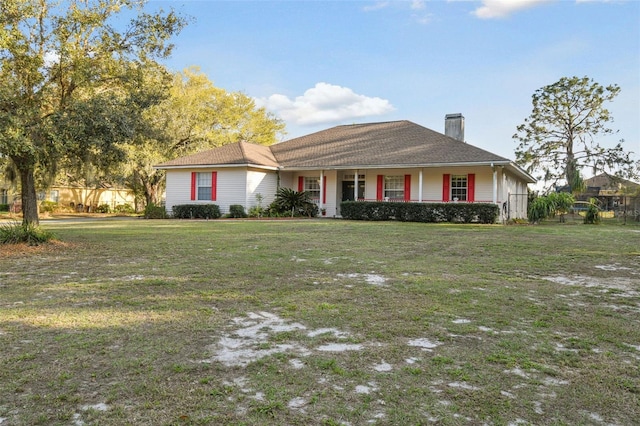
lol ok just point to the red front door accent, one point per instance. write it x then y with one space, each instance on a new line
300 183
380 188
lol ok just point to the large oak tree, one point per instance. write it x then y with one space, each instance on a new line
70 74
560 137
194 116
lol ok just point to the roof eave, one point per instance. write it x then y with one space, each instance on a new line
398 166
214 166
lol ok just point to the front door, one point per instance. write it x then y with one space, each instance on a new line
348 190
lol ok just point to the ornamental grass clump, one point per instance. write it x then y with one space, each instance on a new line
29 233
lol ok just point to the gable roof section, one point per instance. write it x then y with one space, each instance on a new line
235 154
390 144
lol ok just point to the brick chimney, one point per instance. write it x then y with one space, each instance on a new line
454 126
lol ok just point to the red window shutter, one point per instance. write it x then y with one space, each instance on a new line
407 187
300 183
471 187
214 186
446 187
324 190
193 185
380 188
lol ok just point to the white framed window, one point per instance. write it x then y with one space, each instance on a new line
394 187
353 177
312 186
459 187
4 196
203 186
54 195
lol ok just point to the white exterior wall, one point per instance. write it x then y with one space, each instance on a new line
515 195
233 187
239 185
332 193
263 182
178 188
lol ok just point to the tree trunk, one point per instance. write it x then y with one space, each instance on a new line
29 199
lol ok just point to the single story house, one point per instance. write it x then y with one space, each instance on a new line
398 160
73 197
613 193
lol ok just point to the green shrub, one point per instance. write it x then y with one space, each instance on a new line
420 212
196 211
592 215
124 208
103 208
4 207
15 233
236 211
49 206
256 211
549 205
152 211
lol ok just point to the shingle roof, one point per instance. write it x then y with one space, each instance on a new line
241 153
375 145
400 143
606 181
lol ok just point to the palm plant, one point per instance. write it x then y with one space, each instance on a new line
296 202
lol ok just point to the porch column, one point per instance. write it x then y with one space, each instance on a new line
495 185
355 187
321 204
420 186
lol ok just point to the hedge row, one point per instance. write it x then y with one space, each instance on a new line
420 212
196 211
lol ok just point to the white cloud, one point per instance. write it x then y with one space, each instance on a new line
376 6
492 9
325 103
417 4
51 58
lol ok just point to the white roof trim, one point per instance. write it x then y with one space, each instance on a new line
215 166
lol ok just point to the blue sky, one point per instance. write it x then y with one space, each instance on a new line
317 64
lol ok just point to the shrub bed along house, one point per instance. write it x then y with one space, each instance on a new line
237 211
196 211
420 212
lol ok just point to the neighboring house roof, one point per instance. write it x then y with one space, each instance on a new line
240 153
394 144
607 182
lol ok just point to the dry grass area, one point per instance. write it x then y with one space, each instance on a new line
321 322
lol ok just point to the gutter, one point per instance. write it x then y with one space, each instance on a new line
214 166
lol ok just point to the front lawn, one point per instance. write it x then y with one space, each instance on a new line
320 322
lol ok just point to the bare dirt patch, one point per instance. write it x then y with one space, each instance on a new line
21 250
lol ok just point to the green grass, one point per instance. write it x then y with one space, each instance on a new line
124 324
